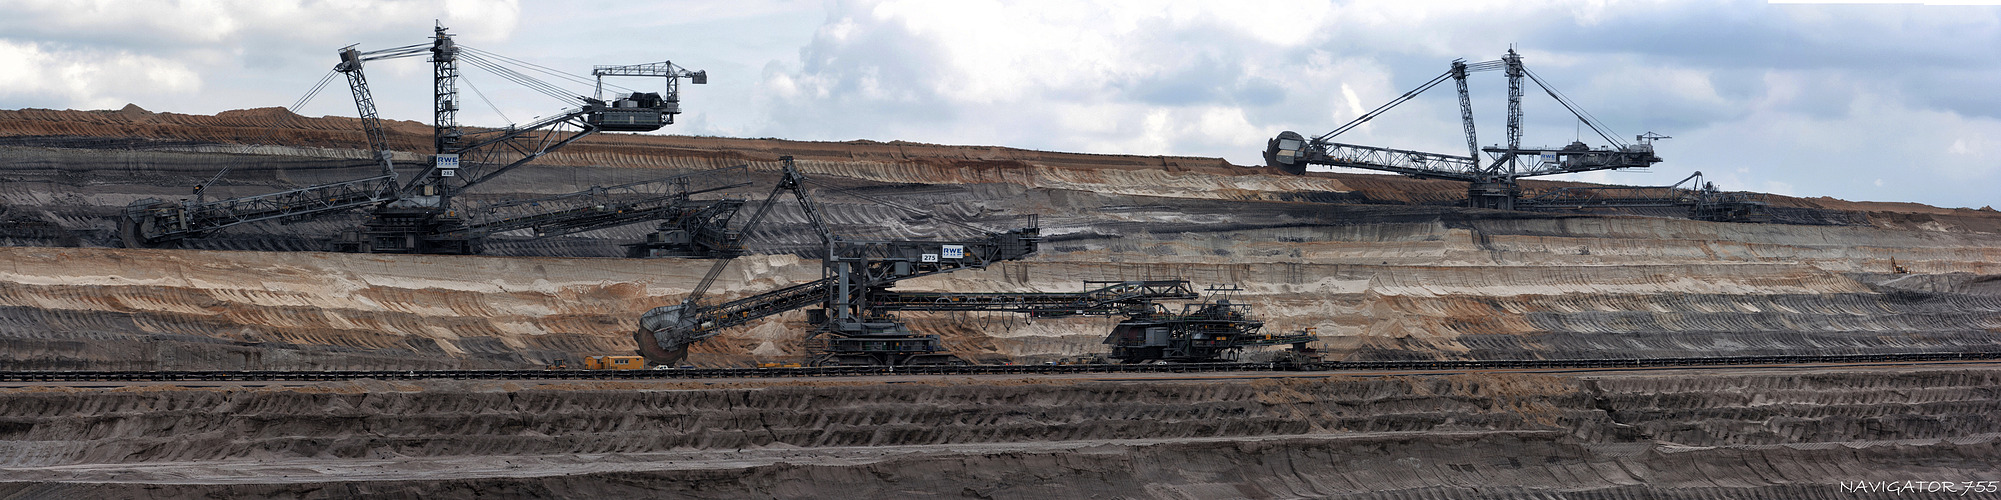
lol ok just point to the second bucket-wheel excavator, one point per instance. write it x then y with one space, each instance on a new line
1701 199
847 327
420 214
1492 185
1215 330
854 323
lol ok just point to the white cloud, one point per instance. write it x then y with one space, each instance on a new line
1945 161
1354 102
1117 78
1215 80
482 21
104 53
90 78
1811 99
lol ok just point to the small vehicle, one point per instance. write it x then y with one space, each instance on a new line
614 363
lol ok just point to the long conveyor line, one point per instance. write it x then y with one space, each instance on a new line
849 371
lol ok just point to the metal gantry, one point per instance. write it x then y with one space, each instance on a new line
1199 333
633 110
850 327
1700 198
150 222
667 200
1099 298
416 213
1491 185
855 322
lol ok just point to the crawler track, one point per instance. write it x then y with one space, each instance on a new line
850 371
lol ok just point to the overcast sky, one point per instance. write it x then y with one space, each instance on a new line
1887 102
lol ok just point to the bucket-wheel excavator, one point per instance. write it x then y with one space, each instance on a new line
418 214
849 328
1490 185
1700 198
1203 332
1209 331
855 324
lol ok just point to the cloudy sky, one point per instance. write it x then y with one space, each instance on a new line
1888 102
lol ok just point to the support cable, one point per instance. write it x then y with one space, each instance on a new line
395 52
1589 120
518 78
1479 66
531 83
528 65
1386 107
543 69
315 92
489 102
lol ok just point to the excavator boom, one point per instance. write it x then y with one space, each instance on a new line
852 271
665 332
1491 185
415 213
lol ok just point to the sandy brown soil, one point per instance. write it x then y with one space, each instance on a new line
245 131
1382 267
1739 433
1331 252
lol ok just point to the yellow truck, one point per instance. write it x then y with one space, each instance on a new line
614 363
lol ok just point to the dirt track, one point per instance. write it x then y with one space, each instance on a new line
1726 434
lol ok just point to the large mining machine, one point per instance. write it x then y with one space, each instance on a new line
855 324
690 227
1205 332
1701 199
1099 298
418 215
847 328
1213 331
1491 185
1210 331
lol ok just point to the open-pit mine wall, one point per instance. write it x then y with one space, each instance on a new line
1373 263
276 131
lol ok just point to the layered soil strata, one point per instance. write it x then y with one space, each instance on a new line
277 131
1382 267
1742 433
1359 258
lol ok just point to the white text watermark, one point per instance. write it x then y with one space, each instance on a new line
1900 487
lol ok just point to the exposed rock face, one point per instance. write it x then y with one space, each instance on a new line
1342 253
1381 266
277 131
1784 434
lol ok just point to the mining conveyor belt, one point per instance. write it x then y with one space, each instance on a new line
848 371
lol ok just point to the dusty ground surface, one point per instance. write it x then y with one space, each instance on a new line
1383 268
1737 433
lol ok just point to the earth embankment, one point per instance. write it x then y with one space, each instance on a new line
1380 267
1373 263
